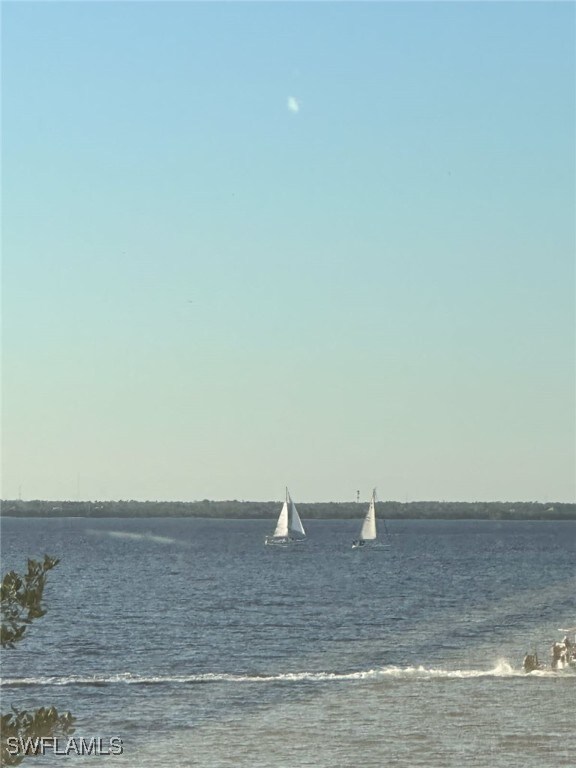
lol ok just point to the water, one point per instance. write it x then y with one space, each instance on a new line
198 646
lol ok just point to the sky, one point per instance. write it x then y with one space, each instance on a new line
322 245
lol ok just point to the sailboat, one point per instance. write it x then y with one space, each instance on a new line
368 535
289 527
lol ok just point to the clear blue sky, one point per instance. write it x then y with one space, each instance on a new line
322 245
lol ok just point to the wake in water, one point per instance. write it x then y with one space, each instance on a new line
502 669
133 536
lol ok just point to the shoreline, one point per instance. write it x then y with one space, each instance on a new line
254 510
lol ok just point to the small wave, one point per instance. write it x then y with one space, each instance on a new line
209 677
502 669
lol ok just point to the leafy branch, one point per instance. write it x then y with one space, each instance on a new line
20 605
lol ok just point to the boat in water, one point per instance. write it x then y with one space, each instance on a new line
531 662
562 654
289 528
368 534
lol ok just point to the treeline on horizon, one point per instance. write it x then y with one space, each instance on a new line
458 510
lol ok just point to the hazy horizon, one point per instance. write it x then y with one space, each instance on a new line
322 245
362 502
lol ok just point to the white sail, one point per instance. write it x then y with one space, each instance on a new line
289 527
295 522
282 524
368 531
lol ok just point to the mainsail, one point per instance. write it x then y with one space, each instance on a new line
368 530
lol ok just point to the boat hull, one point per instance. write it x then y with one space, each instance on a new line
282 541
369 545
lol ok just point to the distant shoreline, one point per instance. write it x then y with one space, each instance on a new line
391 510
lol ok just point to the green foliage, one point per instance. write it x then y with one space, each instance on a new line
20 604
28 727
21 600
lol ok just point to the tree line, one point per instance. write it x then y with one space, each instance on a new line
457 510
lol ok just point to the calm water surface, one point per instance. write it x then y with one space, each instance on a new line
199 646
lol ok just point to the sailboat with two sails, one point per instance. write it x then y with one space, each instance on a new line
368 534
289 528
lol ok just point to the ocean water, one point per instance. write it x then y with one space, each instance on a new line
198 646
